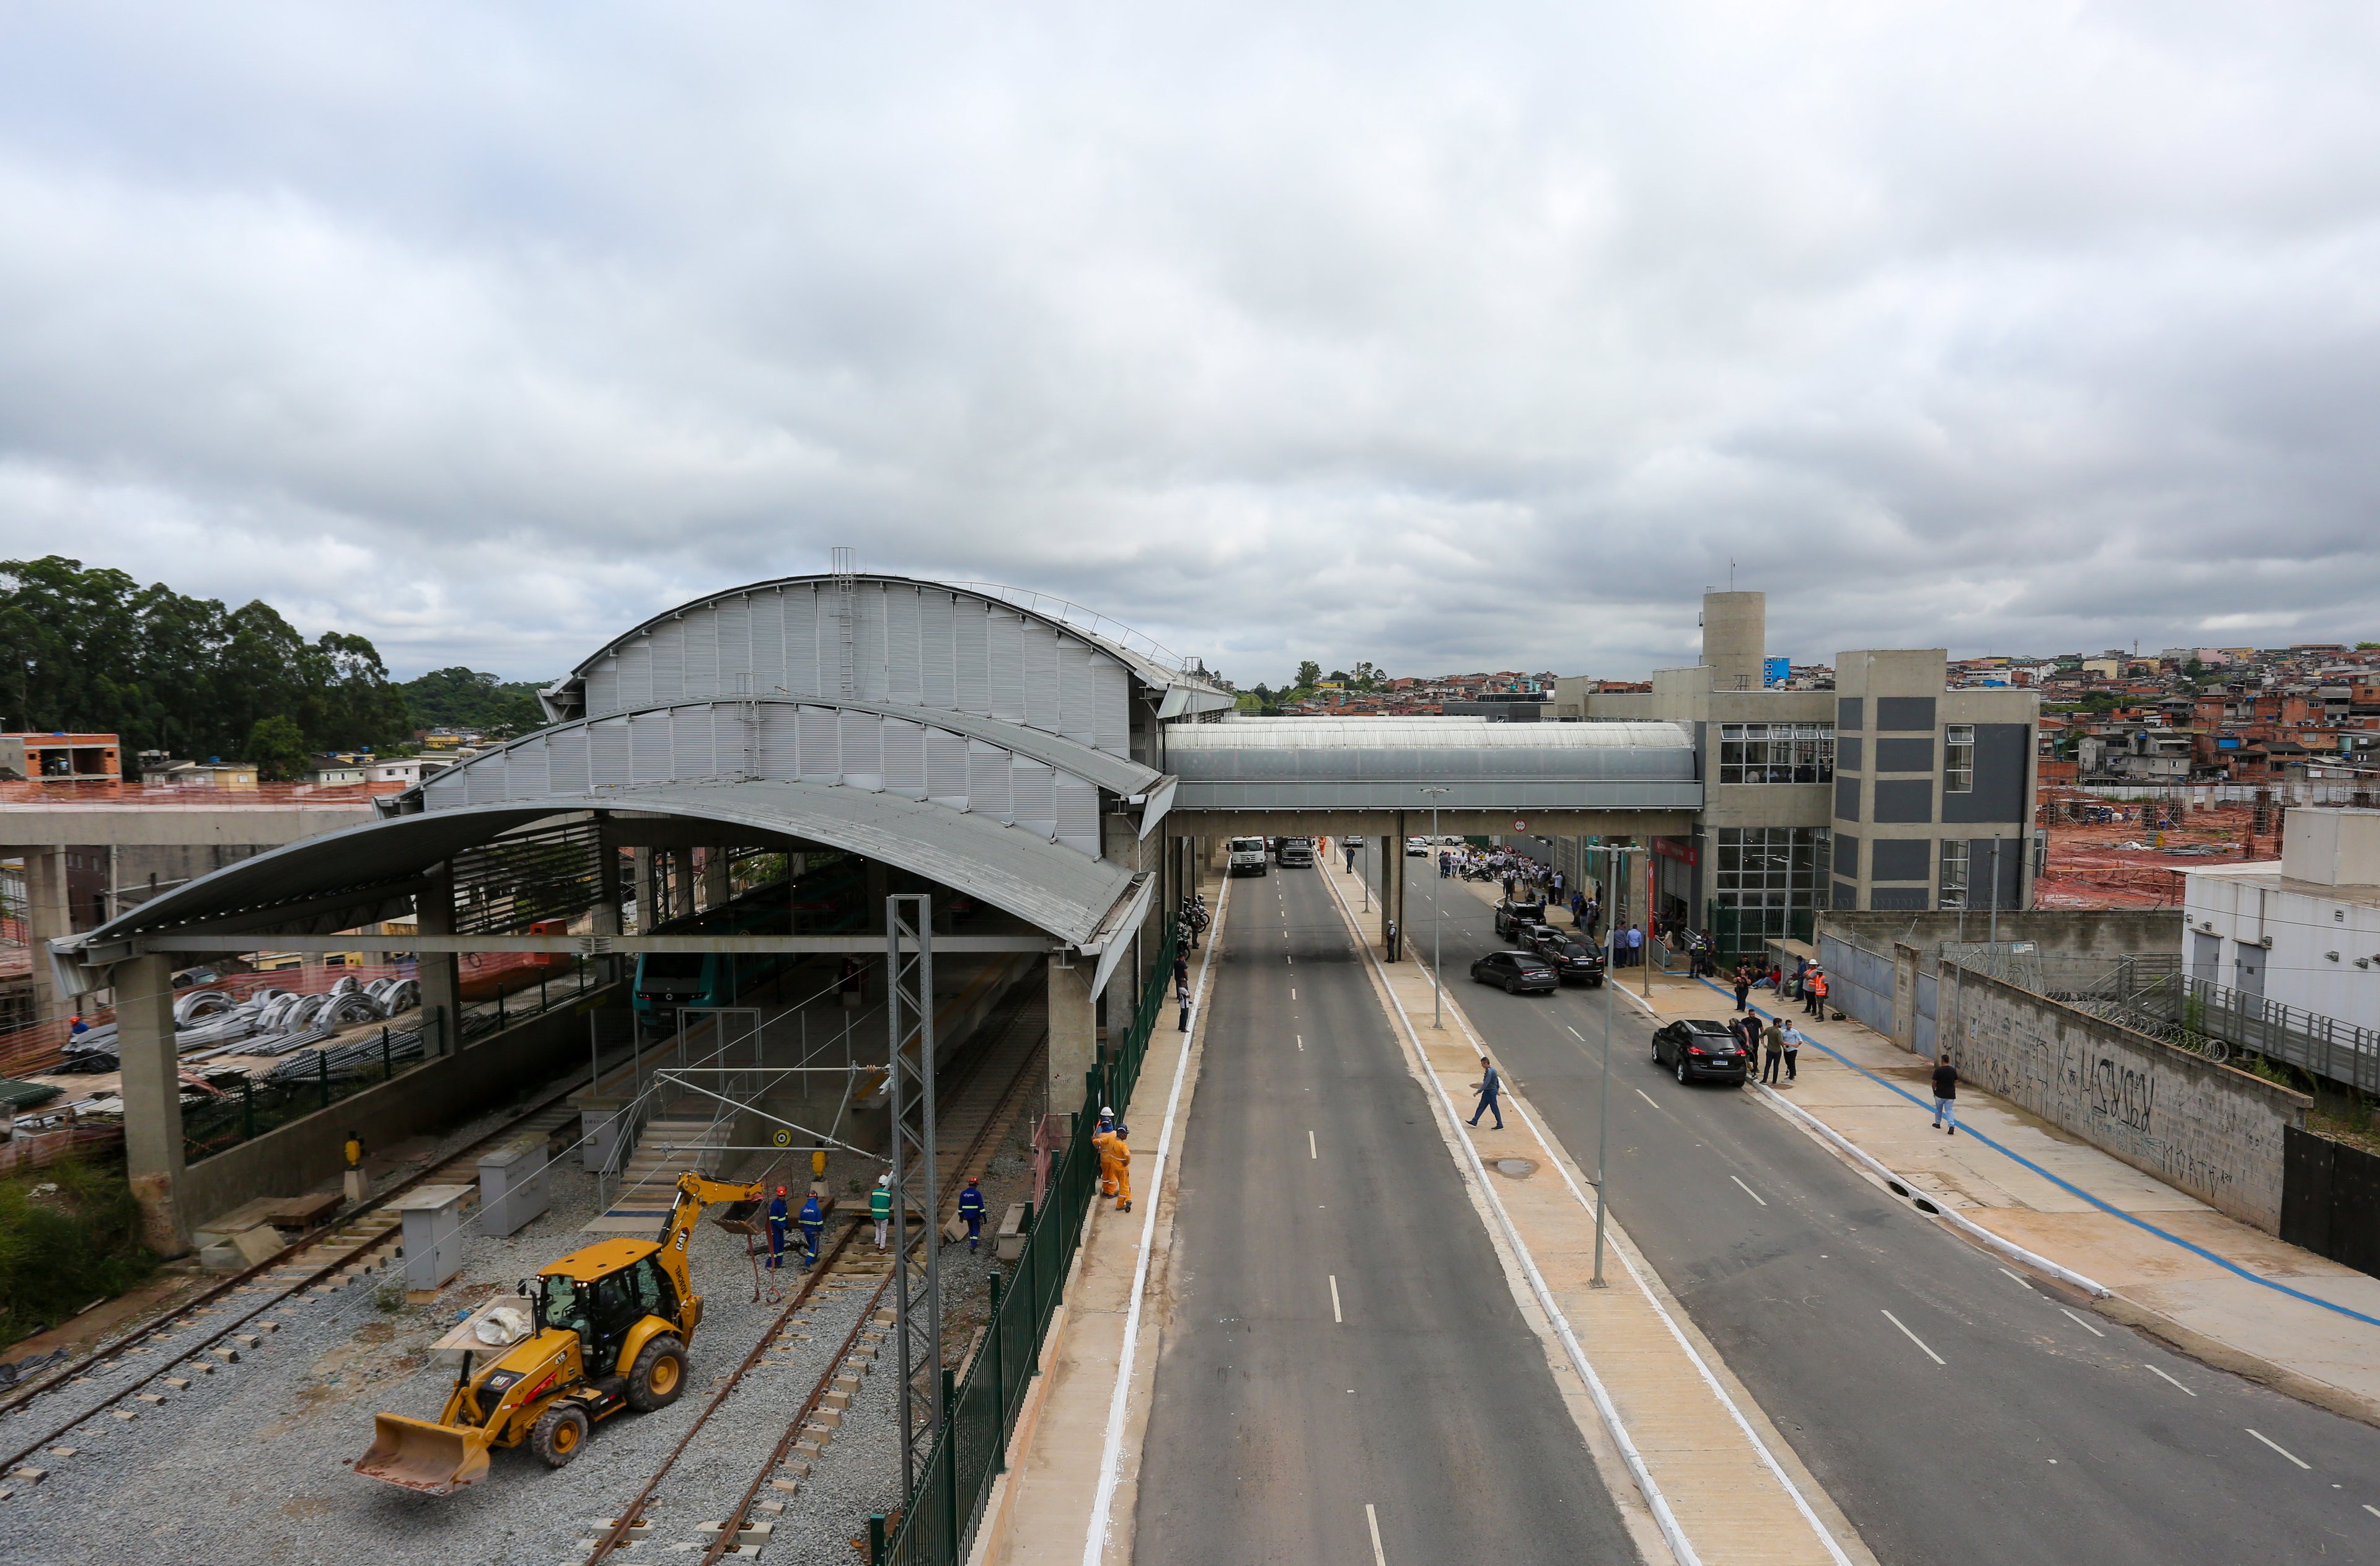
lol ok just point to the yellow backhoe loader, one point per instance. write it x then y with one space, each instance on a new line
603 1329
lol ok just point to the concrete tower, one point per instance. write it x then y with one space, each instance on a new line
1735 633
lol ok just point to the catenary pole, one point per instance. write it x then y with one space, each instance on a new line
1437 990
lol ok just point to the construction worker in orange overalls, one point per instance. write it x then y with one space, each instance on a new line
1115 1167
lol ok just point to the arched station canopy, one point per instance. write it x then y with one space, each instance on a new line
996 652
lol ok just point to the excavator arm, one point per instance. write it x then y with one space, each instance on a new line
696 1192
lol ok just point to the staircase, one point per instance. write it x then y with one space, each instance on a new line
669 1146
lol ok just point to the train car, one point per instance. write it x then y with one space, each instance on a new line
667 982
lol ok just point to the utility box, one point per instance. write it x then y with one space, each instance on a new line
513 1186
433 1217
603 1121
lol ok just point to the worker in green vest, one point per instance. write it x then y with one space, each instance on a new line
880 1208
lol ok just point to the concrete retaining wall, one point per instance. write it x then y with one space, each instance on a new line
490 1072
2059 932
2215 1132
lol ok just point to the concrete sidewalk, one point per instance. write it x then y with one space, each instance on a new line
1040 1512
2140 1250
1732 1485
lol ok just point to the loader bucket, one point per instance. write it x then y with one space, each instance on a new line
420 1455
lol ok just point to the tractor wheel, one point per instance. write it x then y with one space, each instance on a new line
660 1375
558 1434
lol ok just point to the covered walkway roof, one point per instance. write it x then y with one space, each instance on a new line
1345 764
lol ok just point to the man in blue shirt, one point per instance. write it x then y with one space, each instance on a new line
1635 946
971 1209
1490 1085
813 1220
777 1221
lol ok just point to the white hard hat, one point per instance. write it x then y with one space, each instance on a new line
884 1179
1107 1111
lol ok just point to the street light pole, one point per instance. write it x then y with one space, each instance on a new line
1437 991
1603 1095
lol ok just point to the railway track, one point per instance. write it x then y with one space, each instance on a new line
342 1250
981 1107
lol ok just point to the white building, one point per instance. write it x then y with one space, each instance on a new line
2304 932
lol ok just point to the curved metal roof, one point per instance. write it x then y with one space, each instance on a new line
1156 666
1384 763
1049 886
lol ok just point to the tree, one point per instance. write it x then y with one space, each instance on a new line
1309 675
464 699
91 649
277 746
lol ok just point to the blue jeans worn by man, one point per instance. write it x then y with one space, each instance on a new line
1491 1087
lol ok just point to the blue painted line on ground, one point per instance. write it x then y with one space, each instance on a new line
2224 1262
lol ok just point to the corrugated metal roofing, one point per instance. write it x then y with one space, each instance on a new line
1383 763
1013 868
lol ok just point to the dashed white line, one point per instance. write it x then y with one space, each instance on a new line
1914 1338
2276 1446
1301 1038
2155 1371
1750 1193
1576 1034
1334 1301
1647 1096
2080 1322
1373 1518
1310 1144
2012 1277
1293 993
2374 1510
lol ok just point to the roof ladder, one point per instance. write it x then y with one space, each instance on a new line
846 608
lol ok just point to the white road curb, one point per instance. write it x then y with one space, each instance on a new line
1964 1225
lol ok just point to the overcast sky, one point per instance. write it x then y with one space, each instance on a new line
1452 337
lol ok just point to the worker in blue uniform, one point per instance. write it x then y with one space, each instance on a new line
971 1209
778 1219
813 1220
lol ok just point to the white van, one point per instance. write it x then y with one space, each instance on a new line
1247 855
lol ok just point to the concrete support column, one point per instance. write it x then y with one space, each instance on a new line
1389 848
152 1098
442 984
47 917
1073 1030
640 876
714 877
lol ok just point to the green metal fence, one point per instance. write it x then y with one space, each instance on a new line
980 1410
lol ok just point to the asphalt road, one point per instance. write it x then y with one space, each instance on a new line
1281 1410
2040 1438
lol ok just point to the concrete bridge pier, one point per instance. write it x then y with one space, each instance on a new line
152 1098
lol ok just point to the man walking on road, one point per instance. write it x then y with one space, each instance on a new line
1945 1096
1490 1085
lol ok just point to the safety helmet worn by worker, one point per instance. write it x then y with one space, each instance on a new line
781 1190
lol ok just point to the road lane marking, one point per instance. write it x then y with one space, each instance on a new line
1310 1144
2080 1322
1576 1034
2155 1371
1914 1338
2276 1446
1373 1518
2374 1510
1293 993
1301 1041
1647 1096
1334 1301
2012 1277
1750 1193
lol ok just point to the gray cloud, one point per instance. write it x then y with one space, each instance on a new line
1447 341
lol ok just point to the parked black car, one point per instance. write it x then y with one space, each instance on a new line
1569 959
1519 971
1701 1050
1511 914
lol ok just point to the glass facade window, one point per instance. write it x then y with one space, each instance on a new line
1959 759
1776 753
1766 882
1954 875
